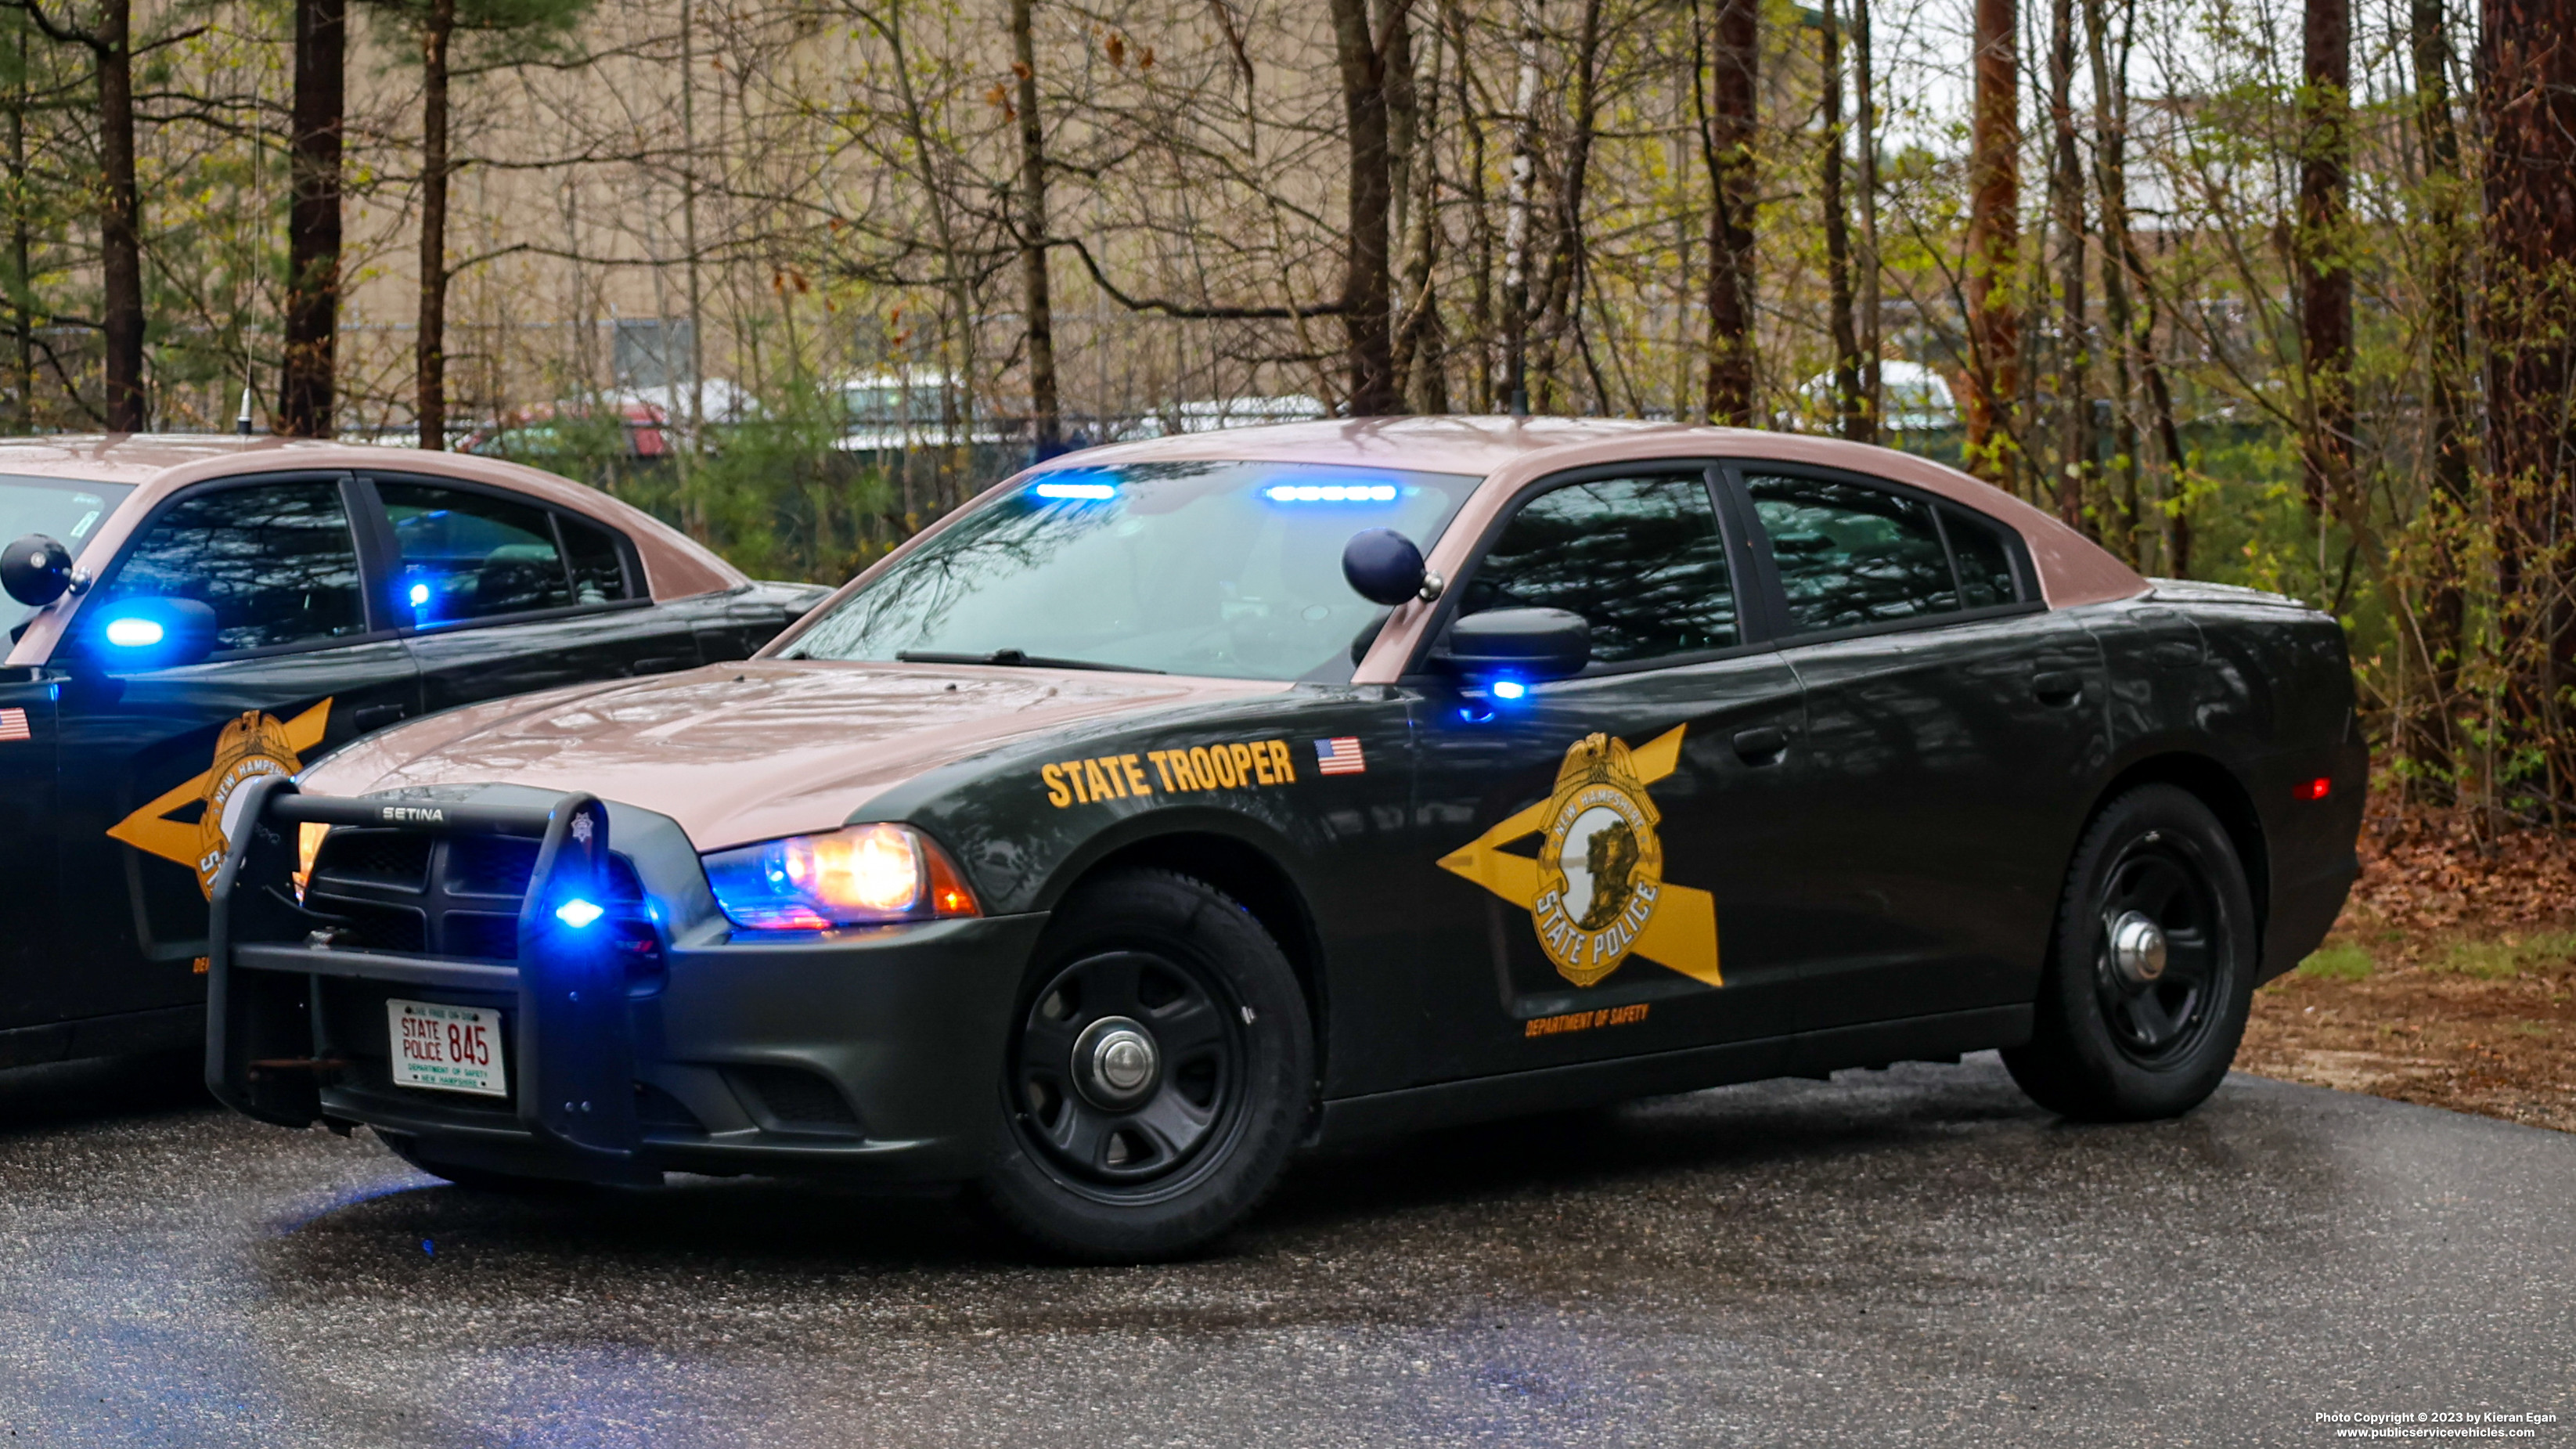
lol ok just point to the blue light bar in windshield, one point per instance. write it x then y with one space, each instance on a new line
1330 493
1076 485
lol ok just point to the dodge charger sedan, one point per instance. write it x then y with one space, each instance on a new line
185 614
1179 803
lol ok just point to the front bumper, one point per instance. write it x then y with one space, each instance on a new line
874 1054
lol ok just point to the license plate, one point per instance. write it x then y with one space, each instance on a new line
449 1048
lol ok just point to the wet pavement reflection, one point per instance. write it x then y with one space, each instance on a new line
1910 1256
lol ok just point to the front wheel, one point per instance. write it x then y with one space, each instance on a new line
1159 1074
2152 971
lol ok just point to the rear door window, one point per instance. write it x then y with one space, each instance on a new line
1642 559
275 561
463 555
1851 556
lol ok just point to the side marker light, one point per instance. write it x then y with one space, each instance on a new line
2316 789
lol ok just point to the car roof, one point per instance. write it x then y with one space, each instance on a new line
157 465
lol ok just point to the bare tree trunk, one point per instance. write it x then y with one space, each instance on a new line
2325 272
1046 420
2528 97
437 28
1367 286
308 372
1849 419
1994 241
1421 366
1873 342
1560 306
2066 206
21 243
1726 152
2111 182
120 221
1516 218
1480 296
2451 453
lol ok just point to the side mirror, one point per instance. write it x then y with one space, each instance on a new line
36 570
1384 567
1520 643
136 634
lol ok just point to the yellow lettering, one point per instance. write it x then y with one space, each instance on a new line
1261 764
1136 782
1203 767
1162 767
1057 795
1241 757
1279 765
1073 777
1098 782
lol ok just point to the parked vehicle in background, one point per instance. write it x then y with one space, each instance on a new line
560 430
1917 399
185 614
1210 415
913 407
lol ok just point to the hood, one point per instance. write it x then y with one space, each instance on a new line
751 751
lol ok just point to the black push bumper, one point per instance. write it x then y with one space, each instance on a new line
874 1054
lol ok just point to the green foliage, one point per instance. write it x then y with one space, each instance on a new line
2344 962
2509 957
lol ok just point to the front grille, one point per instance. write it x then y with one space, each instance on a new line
375 857
457 895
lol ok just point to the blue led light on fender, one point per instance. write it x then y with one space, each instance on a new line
1508 689
578 913
134 633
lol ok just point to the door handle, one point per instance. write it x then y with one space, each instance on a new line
375 717
659 664
1763 746
2057 686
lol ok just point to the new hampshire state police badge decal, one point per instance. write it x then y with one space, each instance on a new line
1596 891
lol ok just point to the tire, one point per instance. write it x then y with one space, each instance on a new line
479 1179
2114 1040
1160 1071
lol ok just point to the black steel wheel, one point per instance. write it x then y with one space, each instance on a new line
2151 973
1161 1069
1129 1068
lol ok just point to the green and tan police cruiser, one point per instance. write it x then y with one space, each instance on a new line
1179 803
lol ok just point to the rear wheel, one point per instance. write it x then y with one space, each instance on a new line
1159 1073
2147 989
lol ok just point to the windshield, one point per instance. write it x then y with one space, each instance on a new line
67 510
1226 569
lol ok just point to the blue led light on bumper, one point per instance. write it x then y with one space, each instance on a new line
578 913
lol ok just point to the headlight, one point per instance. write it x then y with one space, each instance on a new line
863 875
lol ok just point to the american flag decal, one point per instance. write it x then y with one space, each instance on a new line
1340 757
13 725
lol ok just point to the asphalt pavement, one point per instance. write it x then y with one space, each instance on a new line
1915 1256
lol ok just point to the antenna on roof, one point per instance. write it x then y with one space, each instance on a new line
241 423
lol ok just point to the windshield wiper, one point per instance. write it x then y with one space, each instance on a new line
1016 657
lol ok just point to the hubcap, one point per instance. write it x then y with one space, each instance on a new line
1115 1062
2162 951
1127 1073
2137 948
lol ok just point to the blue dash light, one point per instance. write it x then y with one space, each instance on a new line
420 596
1078 484
1508 689
578 913
1330 493
131 632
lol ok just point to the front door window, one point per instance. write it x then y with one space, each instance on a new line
275 562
